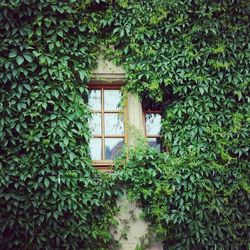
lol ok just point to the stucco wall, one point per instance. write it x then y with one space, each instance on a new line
108 71
132 225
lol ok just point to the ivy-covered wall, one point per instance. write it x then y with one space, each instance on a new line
190 57
50 195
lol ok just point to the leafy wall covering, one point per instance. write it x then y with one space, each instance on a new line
190 57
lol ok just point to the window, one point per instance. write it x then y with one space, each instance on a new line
152 128
107 124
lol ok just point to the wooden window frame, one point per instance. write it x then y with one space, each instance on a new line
107 165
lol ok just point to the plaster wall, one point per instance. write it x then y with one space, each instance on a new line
108 71
131 223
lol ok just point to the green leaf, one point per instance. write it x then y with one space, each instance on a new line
51 47
19 60
13 54
28 57
82 74
66 141
60 33
46 182
201 90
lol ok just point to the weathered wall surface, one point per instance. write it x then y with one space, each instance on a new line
108 71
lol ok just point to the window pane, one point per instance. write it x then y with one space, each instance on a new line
95 124
153 124
112 99
95 99
113 147
114 124
95 148
154 143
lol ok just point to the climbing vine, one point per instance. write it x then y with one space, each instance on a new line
191 202
190 57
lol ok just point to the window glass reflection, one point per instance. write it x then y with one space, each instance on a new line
113 147
112 99
153 124
95 99
155 143
114 124
95 148
95 124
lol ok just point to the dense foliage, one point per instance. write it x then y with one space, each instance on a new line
193 58
190 57
192 203
50 195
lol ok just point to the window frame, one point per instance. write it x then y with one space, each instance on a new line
107 165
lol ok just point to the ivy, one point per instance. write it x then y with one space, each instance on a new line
191 202
194 60
189 57
50 195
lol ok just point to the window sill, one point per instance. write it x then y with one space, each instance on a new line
104 166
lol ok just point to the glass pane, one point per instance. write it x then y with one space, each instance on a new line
112 99
95 124
95 99
154 143
153 124
114 124
113 147
96 148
